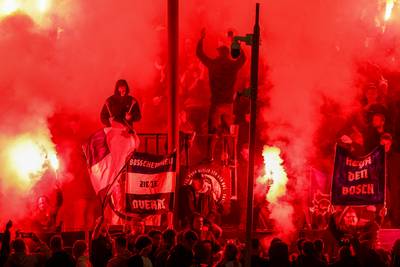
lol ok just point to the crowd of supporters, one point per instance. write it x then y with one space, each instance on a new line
195 246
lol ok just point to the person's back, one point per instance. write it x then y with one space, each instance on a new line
182 254
20 258
122 253
59 257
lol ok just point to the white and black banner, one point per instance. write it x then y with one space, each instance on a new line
150 183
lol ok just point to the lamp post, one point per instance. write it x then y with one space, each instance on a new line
253 40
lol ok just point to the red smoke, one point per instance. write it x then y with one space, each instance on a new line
58 69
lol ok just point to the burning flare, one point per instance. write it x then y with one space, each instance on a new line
33 8
275 174
30 157
389 8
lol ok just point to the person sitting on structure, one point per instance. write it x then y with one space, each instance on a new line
120 107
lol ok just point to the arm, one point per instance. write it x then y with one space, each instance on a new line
201 55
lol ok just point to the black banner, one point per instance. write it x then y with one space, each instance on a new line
358 180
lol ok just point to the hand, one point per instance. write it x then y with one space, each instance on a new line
203 33
128 116
9 225
111 119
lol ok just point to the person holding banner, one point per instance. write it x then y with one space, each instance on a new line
120 107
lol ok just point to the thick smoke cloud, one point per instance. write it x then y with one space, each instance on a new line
65 63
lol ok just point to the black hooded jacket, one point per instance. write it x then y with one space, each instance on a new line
117 106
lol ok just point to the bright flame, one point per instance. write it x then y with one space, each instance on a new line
29 157
43 5
275 174
8 7
389 8
36 9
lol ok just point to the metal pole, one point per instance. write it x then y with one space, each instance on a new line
252 132
173 45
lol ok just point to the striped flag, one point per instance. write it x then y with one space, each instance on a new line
150 183
106 152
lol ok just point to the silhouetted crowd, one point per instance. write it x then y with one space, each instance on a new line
197 245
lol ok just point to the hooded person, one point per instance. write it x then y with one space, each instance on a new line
120 107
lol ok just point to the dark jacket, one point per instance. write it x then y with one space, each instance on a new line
189 203
117 106
60 259
222 72
180 256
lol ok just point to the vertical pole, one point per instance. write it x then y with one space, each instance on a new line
173 48
252 132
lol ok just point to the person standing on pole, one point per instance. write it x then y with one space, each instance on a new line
222 73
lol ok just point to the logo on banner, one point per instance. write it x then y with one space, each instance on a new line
213 182
358 180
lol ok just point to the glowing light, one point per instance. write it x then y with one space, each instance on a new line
27 158
389 8
54 163
43 5
9 6
275 174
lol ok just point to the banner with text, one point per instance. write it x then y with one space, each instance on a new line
358 180
150 183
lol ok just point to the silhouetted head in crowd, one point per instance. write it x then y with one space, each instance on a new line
308 248
121 88
169 238
143 245
203 252
155 236
279 252
120 244
198 181
79 248
231 252
386 141
189 239
197 222
300 245
56 243
19 245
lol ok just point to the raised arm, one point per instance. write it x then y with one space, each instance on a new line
200 51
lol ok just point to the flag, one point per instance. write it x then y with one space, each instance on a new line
358 180
106 152
151 183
